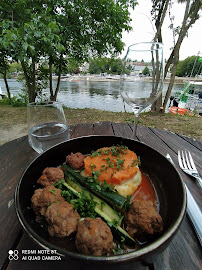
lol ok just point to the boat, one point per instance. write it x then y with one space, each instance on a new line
182 111
188 101
1 94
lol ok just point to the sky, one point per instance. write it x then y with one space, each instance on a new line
143 30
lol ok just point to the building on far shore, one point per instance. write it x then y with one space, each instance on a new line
138 67
84 68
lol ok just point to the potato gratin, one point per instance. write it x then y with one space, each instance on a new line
117 165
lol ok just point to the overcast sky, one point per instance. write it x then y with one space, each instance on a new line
143 30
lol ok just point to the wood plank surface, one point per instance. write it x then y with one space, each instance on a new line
194 142
184 252
122 130
103 128
15 157
177 143
82 130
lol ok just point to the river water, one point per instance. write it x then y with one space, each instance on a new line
103 95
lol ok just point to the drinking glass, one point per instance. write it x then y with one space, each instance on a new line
47 125
142 76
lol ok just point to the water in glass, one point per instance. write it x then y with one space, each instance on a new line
47 125
44 136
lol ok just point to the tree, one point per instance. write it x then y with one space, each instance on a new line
19 35
159 9
146 71
99 65
116 66
4 67
72 66
94 67
191 66
191 14
158 12
58 31
15 67
105 65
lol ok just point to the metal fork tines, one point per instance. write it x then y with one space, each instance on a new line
186 163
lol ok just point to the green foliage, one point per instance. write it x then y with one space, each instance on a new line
116 66
190 65
59 30
105 65
146 71
99 65
5 101
72 66
15 67
19 100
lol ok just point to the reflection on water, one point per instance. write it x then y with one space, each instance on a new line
86 94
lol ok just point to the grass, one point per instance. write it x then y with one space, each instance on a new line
13 121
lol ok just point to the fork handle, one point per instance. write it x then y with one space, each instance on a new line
199 180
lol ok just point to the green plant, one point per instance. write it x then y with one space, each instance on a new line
19 100
5 101
146 71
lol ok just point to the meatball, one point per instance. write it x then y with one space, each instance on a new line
94 237
76 161
62 219
143 219
50 176
43 198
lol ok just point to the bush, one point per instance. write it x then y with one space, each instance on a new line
146 71
5 101
20 100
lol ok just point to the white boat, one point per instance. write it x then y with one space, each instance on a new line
1 94
4 95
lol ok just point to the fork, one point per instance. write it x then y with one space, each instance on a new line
187 165
193 210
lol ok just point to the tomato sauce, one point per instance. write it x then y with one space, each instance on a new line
145 191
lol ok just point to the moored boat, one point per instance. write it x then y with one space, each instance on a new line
188 101
181 111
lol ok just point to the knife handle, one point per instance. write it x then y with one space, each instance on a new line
193 210
194 214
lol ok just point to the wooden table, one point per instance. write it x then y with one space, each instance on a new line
184 252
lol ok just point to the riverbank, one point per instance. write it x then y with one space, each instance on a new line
13 121
108 78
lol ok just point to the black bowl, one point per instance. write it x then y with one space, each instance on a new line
165 178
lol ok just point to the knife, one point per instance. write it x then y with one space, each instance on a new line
193 209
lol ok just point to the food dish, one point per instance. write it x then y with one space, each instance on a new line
167 183
85 189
